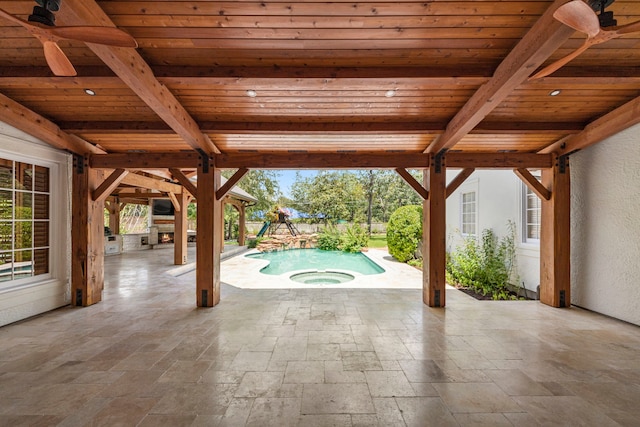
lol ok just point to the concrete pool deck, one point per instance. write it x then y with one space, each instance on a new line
243 272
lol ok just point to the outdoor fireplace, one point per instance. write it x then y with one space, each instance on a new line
165 237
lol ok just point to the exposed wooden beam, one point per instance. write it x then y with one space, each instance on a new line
499 160
533 183
322 161
136 201
395 128
544 38
20 117
108 185
231 182
174 202
437 75
141 195
608 125
187 74
143 161
458 180
151 183
162 173
409 179
136 73
177 161
185 181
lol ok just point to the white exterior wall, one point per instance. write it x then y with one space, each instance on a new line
605 232
26 298
499 200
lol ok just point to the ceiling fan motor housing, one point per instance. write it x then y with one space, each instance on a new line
606 19
44 12
52 5
43 16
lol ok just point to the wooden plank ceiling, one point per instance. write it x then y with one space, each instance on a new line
327 77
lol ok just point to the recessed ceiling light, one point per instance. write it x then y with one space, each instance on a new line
390 93
90 92
555 92
251 93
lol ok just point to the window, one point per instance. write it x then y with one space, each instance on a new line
530 216
468 210
24 220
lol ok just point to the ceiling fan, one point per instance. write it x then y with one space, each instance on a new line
41 24
599 28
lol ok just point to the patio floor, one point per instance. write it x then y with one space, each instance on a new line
147 356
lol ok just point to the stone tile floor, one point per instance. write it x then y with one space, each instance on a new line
312 357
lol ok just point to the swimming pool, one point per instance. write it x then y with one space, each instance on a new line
281 262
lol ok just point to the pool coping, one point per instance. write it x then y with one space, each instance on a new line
242 272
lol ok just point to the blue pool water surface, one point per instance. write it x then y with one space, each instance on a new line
316 259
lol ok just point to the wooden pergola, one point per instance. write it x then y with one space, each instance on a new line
122 189
309 85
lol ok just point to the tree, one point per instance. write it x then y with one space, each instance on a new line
261 184
329 196
391 192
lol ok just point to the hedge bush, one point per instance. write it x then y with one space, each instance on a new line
354 239
329 239
404 232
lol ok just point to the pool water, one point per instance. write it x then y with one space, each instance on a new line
316 259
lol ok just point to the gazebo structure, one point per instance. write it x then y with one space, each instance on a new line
262 85
146 187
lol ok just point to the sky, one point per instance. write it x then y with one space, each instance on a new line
287 177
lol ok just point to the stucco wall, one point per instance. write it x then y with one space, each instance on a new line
499 201
605 234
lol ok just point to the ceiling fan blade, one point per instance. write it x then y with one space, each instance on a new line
100 35
13 19
633 27
551 68
579 16
57 60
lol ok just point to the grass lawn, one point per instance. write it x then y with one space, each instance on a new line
378 241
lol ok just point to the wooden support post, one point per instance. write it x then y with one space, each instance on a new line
555 262
208 242
114 216
87 236
180 230
222 227
242 224
434 234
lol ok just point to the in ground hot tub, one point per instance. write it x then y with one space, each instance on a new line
322 277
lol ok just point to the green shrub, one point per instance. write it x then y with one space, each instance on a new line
329 239
487 266
253 243
404 232
354 239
